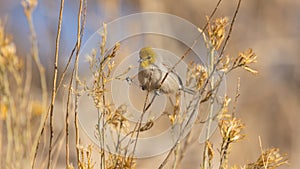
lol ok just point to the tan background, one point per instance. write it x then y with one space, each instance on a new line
269 103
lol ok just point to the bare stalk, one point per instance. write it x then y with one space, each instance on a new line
28 8
67 121
54 82
211 108
138 126
80 27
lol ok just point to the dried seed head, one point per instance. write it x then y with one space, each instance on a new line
119 162
231 129
269 159
29 6
9 61
244 59
85 159
147 126
224 64
211 151
224 110
216 31
175 116
196 75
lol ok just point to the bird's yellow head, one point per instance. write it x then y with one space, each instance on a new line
147 57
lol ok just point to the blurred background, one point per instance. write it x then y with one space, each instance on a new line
269 103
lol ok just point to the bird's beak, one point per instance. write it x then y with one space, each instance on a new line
140 60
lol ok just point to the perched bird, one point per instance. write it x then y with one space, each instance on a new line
152 71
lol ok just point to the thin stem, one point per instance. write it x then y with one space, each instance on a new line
223 153
137 127
36 58
54 81
66 67
211 108
79 33
9 121
44 87
237 94
228 35
67 123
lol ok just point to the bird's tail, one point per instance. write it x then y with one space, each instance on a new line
181 86
187 90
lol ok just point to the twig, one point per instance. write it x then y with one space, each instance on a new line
80 18
43 83
70 58
261 151
28 9
236 96
138 126
55 80
28 79
77 48
67 122
230 30
9 121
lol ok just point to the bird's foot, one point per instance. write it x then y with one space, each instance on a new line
157 92
129 80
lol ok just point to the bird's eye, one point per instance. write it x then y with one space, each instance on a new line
148 57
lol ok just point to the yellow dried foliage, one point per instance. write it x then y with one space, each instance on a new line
119 162
269 159
216 31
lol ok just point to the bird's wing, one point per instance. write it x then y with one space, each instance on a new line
180 83
174 74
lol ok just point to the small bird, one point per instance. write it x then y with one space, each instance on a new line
152 72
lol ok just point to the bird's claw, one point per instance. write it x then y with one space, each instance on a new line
129 80
157 92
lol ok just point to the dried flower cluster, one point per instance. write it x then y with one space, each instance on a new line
225 64
231 129
216 31
10 67
174 117
224 113
196 74
269 159
101 69
243 60
211 152
16 106
147 126
85 160
117 119
109 116
119 162
8 58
